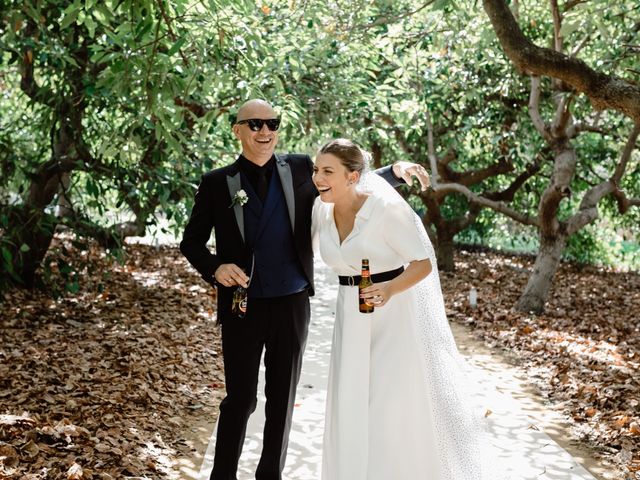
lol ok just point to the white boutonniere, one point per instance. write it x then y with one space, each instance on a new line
240 198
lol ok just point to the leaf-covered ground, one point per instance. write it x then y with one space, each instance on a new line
583 353
104 383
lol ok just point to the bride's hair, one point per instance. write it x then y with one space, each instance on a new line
354 158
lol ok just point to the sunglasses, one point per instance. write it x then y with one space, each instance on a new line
256 124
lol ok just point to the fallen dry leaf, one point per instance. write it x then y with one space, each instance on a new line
583 353
75 472
116 373
8 456
108 375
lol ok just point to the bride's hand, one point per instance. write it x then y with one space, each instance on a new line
377 294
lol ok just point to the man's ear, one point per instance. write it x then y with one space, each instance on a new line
234 129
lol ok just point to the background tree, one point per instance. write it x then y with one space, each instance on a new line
410 60
149 87
557 222
117 107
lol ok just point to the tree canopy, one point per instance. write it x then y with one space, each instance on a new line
525 114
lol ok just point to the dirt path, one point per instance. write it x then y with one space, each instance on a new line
196 435
124 377
506 377
512 381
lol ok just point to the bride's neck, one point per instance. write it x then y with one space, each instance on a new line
349 204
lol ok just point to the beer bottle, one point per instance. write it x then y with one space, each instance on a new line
239 303
365 281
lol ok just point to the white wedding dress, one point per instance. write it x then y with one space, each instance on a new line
396 406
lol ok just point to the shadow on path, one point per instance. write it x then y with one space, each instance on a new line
523 449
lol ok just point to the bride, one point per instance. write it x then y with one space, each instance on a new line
396 407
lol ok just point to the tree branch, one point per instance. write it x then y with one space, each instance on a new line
557 25
196 108
173 35
572 4
581 45
448 157
564 167
28 82
397 134
624 203
579 127
497 206
588 210
108 237
376 148
603 90
508 193
534 109
440 189
473 177
433 215
386 20
433 160
563 115
626 154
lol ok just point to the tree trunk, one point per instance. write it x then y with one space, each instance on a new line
30 227
444 252
539 285
64 208
30 231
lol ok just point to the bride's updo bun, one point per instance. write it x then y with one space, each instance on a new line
354 158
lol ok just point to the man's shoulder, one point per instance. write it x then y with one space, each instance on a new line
223 171
300 162
294 157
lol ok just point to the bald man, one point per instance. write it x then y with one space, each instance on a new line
264 245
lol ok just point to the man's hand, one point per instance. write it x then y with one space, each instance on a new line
230 275
407 170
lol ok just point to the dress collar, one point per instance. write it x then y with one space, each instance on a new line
367 207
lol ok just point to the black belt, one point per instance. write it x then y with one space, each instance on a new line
354 280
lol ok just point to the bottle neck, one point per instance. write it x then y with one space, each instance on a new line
365 272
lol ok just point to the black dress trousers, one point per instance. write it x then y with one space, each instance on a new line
279 326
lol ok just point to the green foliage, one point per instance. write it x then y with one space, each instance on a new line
500 233
154 84
593 245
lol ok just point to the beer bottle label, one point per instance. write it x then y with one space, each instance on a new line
239 302
365 281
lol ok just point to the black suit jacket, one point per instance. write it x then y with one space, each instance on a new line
213 210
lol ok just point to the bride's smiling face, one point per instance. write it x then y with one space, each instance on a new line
332 179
